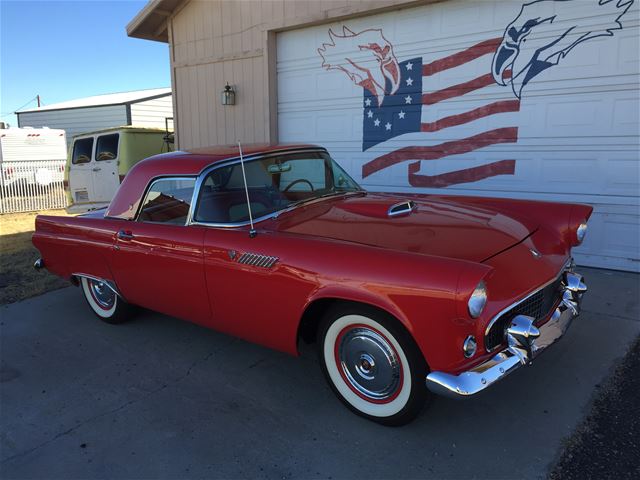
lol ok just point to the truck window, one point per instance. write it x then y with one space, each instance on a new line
168 201
82 150
107 147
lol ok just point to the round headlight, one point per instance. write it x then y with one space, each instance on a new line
581 232
478 300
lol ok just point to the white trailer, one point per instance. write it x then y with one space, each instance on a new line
32 166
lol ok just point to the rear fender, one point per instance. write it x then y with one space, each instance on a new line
70 245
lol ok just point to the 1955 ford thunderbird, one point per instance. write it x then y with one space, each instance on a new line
405 295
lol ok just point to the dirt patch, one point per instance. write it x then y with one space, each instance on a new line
607 443
18 278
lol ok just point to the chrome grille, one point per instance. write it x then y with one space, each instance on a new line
257 260
538 305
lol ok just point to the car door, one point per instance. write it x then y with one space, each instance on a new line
157 260
80 171
105 167
255 293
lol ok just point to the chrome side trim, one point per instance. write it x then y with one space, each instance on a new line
525 342
402 208
257 260
567 266
109 283
235 224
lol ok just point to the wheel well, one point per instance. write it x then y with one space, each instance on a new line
314 312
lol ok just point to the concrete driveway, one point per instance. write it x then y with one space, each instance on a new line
158 397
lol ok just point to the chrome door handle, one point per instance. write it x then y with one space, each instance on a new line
124 235
97 169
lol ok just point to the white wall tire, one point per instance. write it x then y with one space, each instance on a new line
107 306
372 365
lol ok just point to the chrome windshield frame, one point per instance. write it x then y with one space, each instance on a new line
248 158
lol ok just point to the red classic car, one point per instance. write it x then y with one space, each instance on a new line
404 294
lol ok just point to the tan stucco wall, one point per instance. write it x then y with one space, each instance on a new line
217 41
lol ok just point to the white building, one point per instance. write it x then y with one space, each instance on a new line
141 108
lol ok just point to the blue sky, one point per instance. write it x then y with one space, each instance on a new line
70 49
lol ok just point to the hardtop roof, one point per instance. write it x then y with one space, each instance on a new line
181 163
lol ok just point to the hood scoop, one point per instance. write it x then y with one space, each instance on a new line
379 206
402 208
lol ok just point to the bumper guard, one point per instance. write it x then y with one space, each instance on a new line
524 342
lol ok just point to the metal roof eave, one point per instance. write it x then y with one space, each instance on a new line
151 22
99 105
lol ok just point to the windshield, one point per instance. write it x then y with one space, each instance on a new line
274 184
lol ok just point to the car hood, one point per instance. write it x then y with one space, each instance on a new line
438 225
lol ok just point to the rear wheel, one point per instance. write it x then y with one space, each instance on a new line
372 365
104 302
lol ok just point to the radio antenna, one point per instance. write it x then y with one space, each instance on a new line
252 231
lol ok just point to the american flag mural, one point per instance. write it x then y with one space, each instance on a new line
405 103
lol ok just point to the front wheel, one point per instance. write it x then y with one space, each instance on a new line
104 302
373 365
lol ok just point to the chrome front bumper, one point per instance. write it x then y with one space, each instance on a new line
525 342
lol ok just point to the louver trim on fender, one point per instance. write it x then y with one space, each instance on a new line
257 260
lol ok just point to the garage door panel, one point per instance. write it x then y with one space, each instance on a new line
618 233
622 175
568 133
626 114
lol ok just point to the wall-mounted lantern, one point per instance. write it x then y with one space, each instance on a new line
228 96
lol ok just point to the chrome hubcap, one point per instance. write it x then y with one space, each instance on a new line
369 363
102 294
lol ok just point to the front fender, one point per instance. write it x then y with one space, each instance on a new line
427 295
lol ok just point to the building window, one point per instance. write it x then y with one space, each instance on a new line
168 201
82 151
107 147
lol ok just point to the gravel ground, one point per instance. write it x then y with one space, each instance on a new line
607 443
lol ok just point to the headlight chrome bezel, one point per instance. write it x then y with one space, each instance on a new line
478 300
581 232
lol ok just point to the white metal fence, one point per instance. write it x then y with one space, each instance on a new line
32 185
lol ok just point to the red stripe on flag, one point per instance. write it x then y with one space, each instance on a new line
466 117
433 152
462 88
467 175
471 53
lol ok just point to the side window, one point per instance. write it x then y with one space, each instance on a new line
82 151
168 201
107 147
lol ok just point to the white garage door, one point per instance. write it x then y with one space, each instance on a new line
519 99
